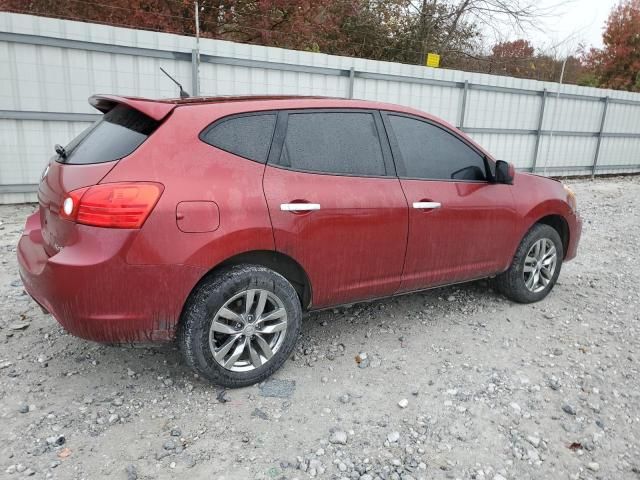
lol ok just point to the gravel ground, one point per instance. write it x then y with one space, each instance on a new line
452 383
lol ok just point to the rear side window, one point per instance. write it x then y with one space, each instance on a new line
117 134
431 152
333 142
247 136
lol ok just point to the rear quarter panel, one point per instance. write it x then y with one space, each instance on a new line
192 170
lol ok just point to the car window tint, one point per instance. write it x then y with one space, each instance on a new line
248 136
431 152
117 134
333 142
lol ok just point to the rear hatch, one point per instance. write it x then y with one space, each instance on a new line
86 160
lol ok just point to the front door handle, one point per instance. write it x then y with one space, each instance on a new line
426 205
299 207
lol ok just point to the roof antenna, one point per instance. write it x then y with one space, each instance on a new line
183 93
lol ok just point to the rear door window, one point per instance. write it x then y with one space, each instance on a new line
248 136
333 142
117 134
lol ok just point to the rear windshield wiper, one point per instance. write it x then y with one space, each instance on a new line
61 151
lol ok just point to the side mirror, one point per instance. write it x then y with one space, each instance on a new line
504 172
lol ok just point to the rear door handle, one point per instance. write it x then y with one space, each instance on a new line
426 205
299 207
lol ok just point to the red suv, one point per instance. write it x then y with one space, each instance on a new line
218 221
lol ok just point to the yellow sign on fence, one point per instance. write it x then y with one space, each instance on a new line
433 60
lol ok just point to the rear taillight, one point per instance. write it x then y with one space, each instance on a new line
113 205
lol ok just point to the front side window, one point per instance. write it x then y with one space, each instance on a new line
247 136
431 152
333 142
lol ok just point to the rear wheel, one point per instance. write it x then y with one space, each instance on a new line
240 326
535 266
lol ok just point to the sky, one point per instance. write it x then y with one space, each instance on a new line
572 22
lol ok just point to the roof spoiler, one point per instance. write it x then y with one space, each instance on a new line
154 110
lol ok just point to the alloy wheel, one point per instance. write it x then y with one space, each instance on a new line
248 330
540 265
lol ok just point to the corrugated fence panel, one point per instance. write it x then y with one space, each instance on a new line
620 151
49 67
623 118
563 153
28 144
437 100
55 79
502 110
574 115
517 149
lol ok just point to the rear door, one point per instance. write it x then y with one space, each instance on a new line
460 224
335 203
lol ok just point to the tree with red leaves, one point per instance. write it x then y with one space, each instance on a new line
513 58
617 65
515 49
393 30
297 24
519 58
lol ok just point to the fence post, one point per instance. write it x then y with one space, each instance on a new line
463 107
602 120
195 81
352 78
539 131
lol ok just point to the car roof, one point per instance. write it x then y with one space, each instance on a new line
160 108
238 98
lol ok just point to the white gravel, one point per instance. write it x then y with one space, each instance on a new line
492 389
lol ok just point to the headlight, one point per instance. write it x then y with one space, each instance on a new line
571 199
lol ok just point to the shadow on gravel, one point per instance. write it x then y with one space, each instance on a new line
467 294
127 364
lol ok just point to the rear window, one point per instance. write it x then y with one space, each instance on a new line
248 136
117 134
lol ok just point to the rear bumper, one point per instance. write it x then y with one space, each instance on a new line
575 232
94 294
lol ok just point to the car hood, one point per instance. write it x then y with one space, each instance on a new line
530 174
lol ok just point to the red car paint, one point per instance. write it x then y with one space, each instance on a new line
130 284
360 218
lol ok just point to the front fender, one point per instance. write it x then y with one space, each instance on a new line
538 197
545 209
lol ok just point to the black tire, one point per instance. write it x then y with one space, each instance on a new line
209 297
511 283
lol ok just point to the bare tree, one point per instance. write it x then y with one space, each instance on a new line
452 25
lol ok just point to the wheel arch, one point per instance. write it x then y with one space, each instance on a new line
560 225
274 260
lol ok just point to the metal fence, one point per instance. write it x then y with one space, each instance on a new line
48 68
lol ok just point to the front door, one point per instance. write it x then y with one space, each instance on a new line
461 225
336 205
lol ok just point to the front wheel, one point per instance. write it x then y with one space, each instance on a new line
240 326
535 266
